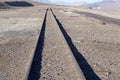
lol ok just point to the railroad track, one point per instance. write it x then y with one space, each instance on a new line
54 57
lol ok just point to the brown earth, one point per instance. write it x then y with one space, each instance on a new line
97 42
19 29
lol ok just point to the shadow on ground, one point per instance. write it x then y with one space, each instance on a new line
83 64
35 69
19 4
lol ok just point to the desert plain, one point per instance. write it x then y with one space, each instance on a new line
95 37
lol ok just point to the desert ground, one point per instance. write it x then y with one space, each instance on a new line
96 38
97 42
19 30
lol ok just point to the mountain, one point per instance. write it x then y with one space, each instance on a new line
106 4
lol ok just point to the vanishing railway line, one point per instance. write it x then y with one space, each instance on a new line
55 57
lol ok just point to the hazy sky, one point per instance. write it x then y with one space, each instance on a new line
74 1
69 1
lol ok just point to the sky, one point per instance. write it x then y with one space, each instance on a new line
69 1
74 1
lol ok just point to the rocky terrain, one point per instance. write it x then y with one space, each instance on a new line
19 30
96 39
97 42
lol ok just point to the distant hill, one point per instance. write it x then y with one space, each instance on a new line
106 4
4 6
10 4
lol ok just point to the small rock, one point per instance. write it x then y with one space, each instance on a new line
103 23
58 73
